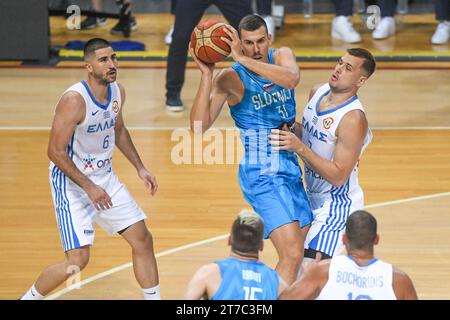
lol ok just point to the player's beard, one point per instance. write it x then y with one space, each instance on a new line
110 77
105 78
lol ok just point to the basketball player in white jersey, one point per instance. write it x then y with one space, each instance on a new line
87 125
331 139
355 276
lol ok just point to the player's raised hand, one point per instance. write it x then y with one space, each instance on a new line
99 197
149 180
235 42
205 68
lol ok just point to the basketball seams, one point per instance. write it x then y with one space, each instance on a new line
207 43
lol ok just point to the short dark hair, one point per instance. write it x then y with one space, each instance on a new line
247 232
95 44
252 22
369 63
361 230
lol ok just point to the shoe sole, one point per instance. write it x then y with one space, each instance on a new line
336 35
385 37
382 38
174 108
439 43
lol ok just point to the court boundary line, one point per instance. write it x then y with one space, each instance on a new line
221 237
167 128
130 264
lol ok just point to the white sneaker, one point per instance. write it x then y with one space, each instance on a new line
442 33
385 28
168 37
270 26
342 29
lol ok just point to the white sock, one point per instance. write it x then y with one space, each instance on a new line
32 294
152 293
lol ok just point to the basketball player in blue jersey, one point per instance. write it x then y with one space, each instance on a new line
355 276
334 136
241 276
87 125
259 89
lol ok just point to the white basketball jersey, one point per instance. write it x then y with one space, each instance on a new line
349 281
92 144
319 134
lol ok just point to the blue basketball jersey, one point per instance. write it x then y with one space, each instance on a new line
271 182
246 280
264 106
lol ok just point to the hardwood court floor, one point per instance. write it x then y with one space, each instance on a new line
392 97
197 202
307 37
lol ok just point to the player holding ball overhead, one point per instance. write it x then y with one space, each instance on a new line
259 90
207 43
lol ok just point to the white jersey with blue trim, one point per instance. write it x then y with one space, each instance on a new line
319 133
91 146
349 281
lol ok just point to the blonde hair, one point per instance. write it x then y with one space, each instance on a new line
247 232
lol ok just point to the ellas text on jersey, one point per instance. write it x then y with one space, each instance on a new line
313 131
100 126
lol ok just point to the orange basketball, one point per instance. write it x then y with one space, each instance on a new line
206 42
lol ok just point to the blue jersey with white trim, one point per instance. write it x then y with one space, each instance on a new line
246 280
264 106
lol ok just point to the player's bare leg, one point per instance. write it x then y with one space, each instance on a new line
289 242
54 275
144 261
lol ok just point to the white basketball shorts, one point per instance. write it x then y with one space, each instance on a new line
75 213
330 213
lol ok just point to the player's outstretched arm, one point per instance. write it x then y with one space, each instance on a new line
69 112
126 146
311 282
350 137
285 72
210 97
